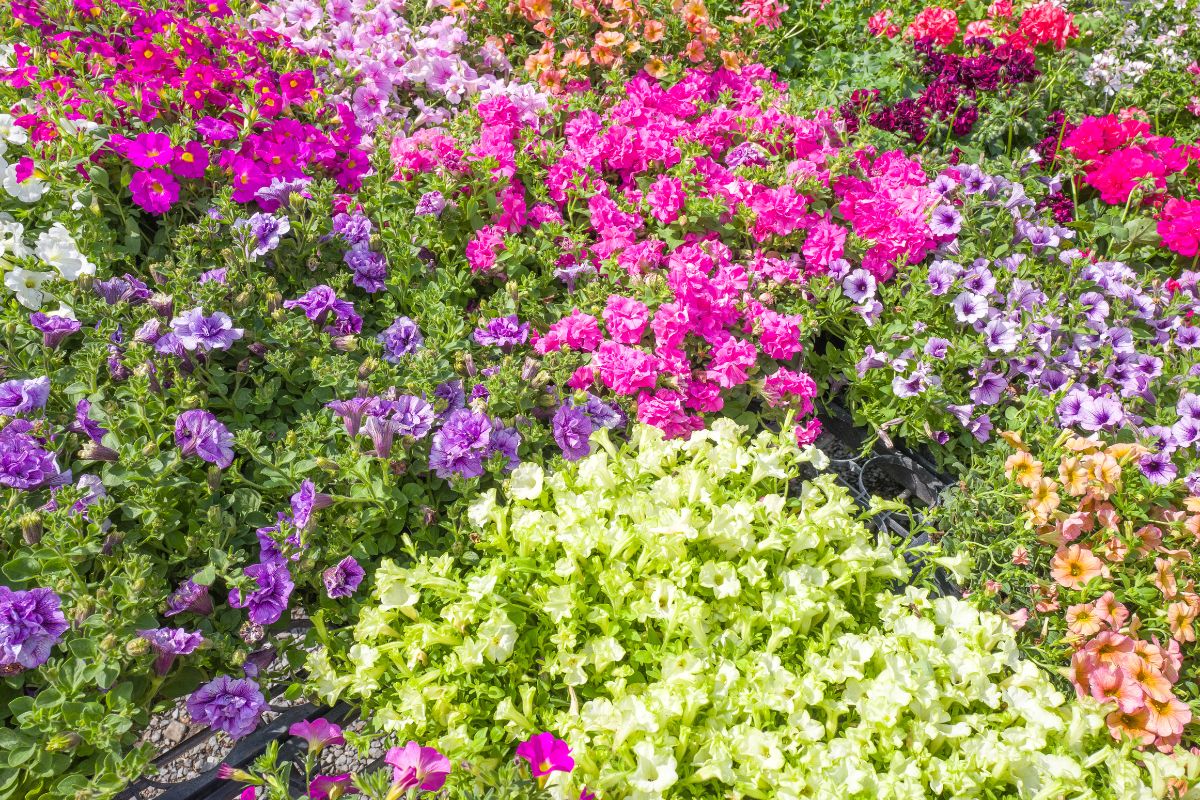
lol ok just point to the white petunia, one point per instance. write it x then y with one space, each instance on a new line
26 284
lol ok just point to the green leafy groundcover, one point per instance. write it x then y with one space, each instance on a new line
696 623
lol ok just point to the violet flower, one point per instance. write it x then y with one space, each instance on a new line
572 430
342 579
169 643
228 704
24 463
23 396
267 602
196 331
199 433
54 327
503 332
400 338
189 597
31 623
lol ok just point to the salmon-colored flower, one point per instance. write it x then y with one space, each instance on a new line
1075 525
1048 595
1082 620
1164 578
1107 516
1018 619
1129 726
1014 440
1104 470
1111 684
1153 683
1074 566
1023 468
1109 648
653 31
1115 550
1020 556
1180 618
1082 444
1074 476
1149 538
1114 614
1166 717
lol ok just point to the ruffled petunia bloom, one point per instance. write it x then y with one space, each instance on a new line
199 433
171 642
31 623
546 753
415 767
343 578
232 705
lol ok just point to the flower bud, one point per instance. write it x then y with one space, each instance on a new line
328 465
529 369
163 304
252 633
31 527
94 451
274 302
540 380
150 449
345 344
469 365
108 642
214 483
137 646
111 543
242 299
368 366
63 742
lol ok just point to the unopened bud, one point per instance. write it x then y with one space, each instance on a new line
274 302
137 647
469 365
108 642
345 344
529 369
328 465
242 299
31 527
94 451
214 482
63 742
111 542
164 304
252 633
368 366
540 380
150 449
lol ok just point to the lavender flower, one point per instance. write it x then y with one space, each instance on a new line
190 596
220 276
267 602
263 232
128 289
859 285
24 463
279 192
505 441
227 704
1099 413
602 414
431 204
84 424
945 221
199 433
503 332
461 444
572 430
31 622
352 411
23 396
305 502
354 229
990 388
400 338
1158 468
316 303
196 331
1000 336
412 415
370 268
54 327
170 642
382 432
342 579
451 392
941 276
937 347
970 307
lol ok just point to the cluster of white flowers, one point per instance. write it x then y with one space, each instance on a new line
1129 58
696 627
55 248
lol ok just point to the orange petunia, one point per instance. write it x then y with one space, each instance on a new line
1129 726
1074 476
1074 566
1083 444
1014 440
1023 468
1166 718
1164 578
1082 619
1180 619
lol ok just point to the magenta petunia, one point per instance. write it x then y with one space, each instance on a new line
154 190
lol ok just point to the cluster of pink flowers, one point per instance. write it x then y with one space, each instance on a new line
1120 154
719 328
1043 23
205 79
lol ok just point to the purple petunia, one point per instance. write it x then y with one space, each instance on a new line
431 204
31 623
228 704
413 415
352 411
990 388
196 331
1000 336
353 228
945 221
263 232
937 347
970 307
84 424
859 285
400 338
189 597
572 430
128 289
54 327
342 579
23 396
503 332
1158 468
199 433
171 642
24 463
942 275
1100 413
461 444
369 267
382 431
270 599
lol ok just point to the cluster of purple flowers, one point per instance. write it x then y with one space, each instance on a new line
369 266
321 303
31 622
199 433
384 418
467 439
574 423
261 232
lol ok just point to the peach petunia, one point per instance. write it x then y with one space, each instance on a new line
1167 717
1114 614
1074 566
1129 726
1023 468
1180 619
1109 647
1074 476
1111 684
1164 578
1082 620
1020 556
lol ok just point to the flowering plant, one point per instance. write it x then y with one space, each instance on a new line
684 621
